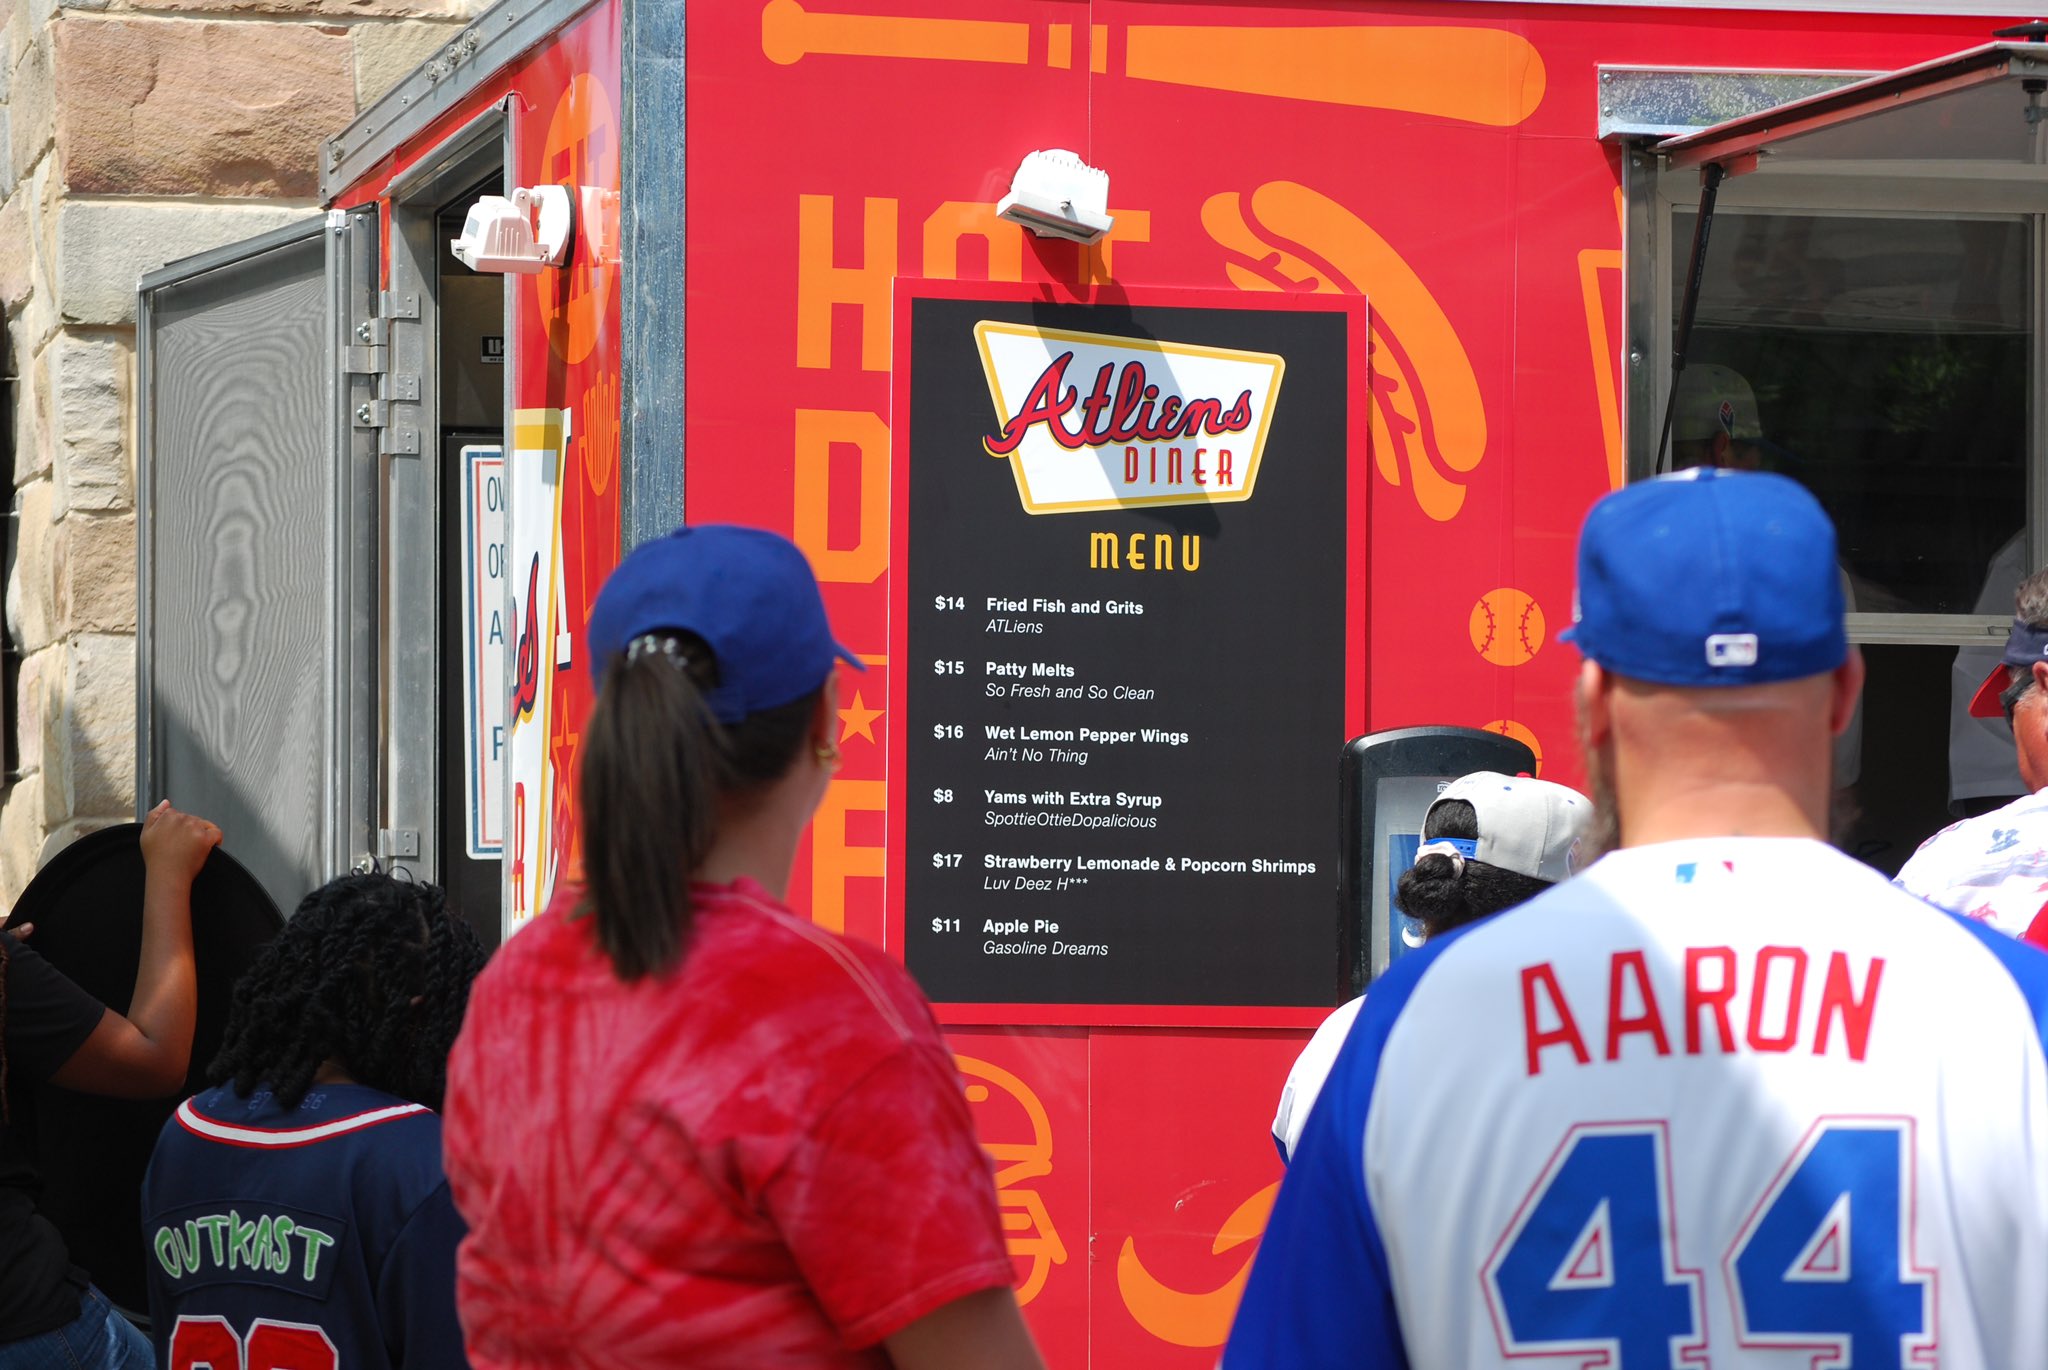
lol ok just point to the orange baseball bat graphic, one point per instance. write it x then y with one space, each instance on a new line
789 33
1427 414
1481 76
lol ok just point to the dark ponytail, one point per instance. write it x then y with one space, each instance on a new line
656 766
1442 893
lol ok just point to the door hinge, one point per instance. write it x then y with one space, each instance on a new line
369 351
398 843
394 439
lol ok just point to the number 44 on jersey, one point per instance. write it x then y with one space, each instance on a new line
1589 1266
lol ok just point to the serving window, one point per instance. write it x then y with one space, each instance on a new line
1873 275
1889 360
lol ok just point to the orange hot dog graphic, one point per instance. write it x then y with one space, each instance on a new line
1427 415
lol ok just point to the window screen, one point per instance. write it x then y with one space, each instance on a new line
240 512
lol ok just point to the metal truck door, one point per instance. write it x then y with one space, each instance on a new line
257 497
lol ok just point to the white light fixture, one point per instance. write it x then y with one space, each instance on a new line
521 234
1057 195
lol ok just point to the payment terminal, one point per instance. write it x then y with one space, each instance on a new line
1387 782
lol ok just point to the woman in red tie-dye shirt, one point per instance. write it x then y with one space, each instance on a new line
686 1126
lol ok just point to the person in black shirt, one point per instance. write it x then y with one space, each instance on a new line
50 1315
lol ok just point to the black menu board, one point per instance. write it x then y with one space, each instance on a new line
1123 561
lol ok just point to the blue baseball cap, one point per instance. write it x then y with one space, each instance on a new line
2024 645
747 592
1710 577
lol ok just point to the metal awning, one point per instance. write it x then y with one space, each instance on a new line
1968 108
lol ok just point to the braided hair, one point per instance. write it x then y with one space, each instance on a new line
371 972
1442 893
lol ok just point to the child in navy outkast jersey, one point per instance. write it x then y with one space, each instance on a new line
296 1214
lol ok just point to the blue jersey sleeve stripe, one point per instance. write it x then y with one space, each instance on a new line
1321 1293
2026 964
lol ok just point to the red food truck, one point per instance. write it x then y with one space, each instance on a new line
1257 415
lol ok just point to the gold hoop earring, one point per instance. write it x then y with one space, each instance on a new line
828 755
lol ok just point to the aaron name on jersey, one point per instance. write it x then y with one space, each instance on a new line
1795 1003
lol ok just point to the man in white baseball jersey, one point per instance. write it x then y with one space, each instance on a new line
1994 867
1727 1097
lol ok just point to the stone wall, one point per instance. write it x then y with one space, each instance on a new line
133 132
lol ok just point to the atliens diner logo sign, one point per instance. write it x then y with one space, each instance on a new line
1092 421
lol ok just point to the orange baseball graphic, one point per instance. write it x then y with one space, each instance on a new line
999 1101
582 151
1198 1319
1507 727
1479 75
1506 626
1428 419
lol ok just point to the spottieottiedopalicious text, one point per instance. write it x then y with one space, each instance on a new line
1126 653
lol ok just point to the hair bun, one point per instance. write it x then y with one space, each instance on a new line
1437 866
1444 849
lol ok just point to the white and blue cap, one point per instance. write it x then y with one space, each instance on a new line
1526 825
1710 577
